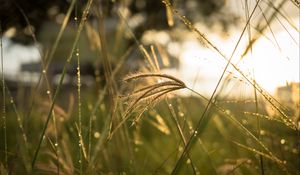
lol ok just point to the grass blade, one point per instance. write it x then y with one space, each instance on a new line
84 17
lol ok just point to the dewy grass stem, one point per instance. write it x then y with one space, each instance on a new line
3 98
81 25
189 142
259 89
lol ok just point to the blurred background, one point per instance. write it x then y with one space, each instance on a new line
30 29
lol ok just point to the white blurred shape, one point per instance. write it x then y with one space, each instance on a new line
14 55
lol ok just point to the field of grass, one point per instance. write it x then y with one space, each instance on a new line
133 118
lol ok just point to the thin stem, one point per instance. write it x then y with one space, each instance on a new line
189 143
180 131
3 98
84 16
265 94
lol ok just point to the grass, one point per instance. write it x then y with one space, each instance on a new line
135 122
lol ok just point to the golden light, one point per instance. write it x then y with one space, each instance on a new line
271 65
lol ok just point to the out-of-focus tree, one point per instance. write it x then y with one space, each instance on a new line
13 13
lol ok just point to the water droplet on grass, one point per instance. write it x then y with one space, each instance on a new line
96 135
262 132
181 114
180 148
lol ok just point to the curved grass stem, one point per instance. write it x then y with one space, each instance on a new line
80 27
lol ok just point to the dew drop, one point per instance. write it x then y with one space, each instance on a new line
262 132
282 141
133 123
56 144
44 71
180 149
75 18
97 135
170 105
294 150
48 92
188 161
77 54
244 122
181 114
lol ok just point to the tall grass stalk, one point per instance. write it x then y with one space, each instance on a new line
154 66
284 117
267 25
255 93
48 58
18 115
187 147
296 3
44 65
106 61
150 92
241 126
287 19
79 126
180 131
105 130
25 155
4 101
80 27
261 32
173 136
261 162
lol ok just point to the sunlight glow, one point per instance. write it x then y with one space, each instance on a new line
273 60
201 67
272 67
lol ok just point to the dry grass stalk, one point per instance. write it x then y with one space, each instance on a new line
148 94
